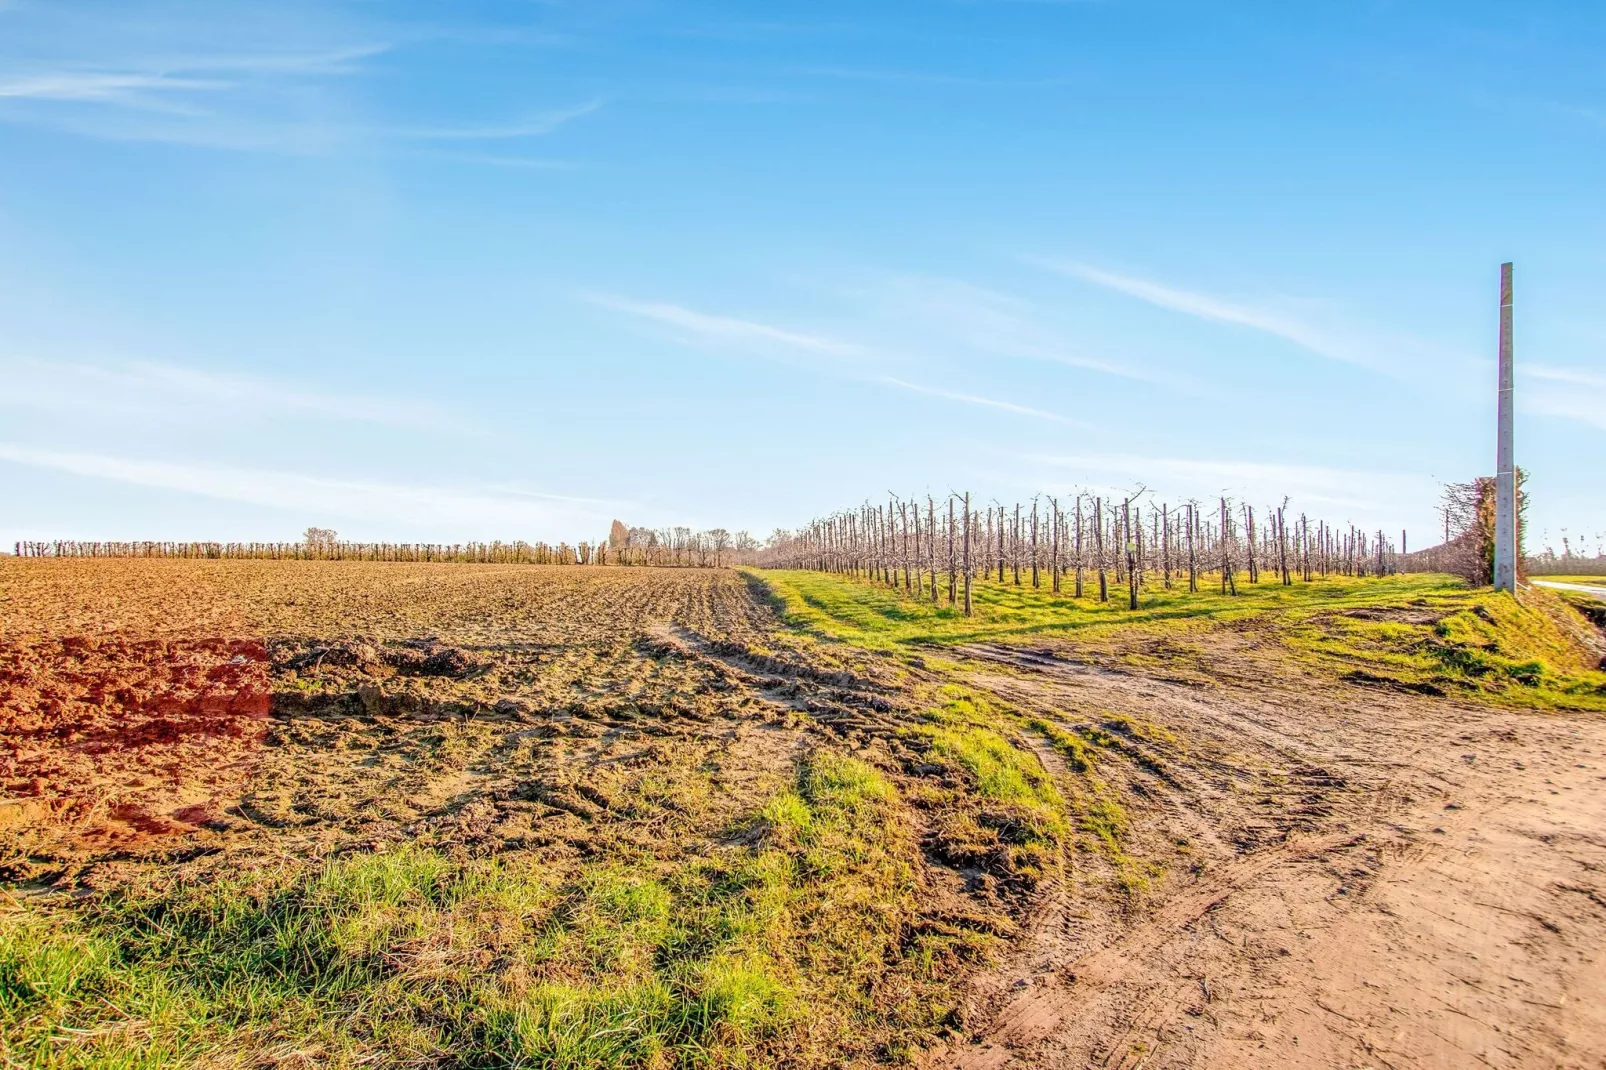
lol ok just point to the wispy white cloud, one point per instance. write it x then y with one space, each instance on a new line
727 328
532 127
927 78
491 159
1570 393
1208 307
108 87
281 100
1359 495
154 78
1555 374
976 399
995 324
458 511
141 84
176 393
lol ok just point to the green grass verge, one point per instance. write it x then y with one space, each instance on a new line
789 943
1426 633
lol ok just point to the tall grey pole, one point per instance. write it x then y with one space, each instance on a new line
1505 490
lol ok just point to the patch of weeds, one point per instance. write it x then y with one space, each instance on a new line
1097 809
782 949
1010 821
1077 756
1147 731
1001 770
959 735
1478 644
1106 820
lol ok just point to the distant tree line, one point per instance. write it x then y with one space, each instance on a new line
1574 560
1551 563
679 547
672 547
480 553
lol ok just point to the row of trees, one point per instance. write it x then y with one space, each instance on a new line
1567 563
1086 543
672 547
677 547
483 553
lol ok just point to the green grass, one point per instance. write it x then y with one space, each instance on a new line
782 943
1097 807
1010 819
1590 580
1428 633
963 731
1477 644
875 616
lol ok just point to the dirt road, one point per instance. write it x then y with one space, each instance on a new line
1437 899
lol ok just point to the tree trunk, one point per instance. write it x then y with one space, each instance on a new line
1165 544
967 554
1080 560
1055 523
952 562
1131 556
1098 547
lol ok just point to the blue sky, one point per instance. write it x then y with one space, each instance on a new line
510 270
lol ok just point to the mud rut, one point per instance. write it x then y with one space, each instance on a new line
1368 880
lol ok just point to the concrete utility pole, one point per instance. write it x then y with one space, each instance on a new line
1505 487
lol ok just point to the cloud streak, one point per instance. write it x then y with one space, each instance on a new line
488 512
976 399
1570 393
281 100
535 127
148 387
997 324
726 328
1370 495
133 85
1207 307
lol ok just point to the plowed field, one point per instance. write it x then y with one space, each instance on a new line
136 696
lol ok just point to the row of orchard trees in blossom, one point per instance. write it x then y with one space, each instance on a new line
1086 544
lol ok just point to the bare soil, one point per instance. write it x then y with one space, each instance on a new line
356 705
1356 879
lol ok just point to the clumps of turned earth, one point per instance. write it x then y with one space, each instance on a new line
113 743
419 676
411 657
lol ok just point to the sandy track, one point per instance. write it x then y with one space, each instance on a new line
1439 903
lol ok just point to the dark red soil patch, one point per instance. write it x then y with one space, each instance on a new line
125 740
